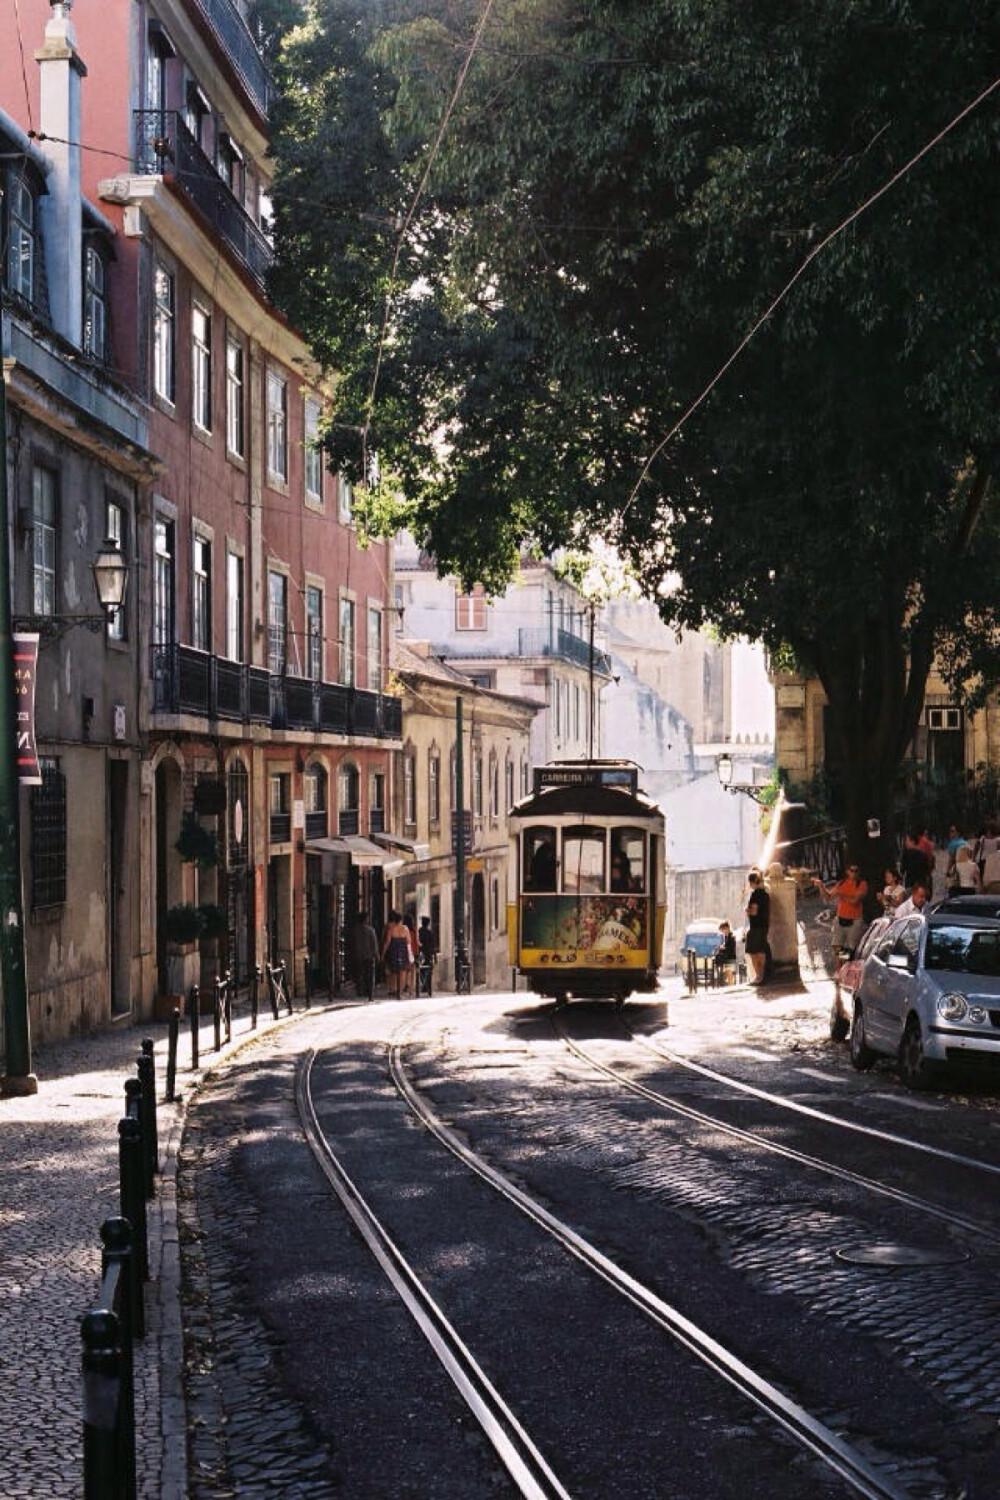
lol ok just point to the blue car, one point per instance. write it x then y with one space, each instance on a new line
929 996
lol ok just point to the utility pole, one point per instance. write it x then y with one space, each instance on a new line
590 688
459 912
19 1079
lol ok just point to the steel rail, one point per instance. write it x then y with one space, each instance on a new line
514 1448
802 1158
806 1429
889 1136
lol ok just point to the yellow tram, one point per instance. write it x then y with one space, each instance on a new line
587 882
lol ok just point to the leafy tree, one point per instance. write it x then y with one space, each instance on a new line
520 308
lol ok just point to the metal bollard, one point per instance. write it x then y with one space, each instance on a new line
173 1036
254 997
135 1109
105 1467
217 1013
284 985
133 1197
227 1004
118 1249
146 1069
194 1002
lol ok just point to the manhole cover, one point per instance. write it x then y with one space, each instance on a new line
888 1254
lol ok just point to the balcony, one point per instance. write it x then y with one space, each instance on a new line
186 681
166 148
237 44
538 641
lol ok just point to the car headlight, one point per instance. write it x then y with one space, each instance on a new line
952 1007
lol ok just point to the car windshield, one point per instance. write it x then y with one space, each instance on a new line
967 950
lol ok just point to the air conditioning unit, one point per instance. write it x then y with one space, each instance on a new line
944 718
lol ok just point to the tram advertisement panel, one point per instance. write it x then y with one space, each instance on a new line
607 931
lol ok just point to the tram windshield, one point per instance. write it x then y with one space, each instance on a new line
583 860
628 859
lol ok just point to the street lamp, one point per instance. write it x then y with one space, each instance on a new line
110 577
725 769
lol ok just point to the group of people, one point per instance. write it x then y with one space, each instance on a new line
401 947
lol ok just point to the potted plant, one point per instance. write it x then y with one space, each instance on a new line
195 844
183 924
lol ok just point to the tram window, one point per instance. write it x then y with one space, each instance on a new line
583 860
628 859
539 859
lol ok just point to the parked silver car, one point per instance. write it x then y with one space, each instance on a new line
929 995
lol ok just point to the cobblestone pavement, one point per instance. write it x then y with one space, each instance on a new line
59 1176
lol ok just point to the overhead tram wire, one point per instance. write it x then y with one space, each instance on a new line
851 218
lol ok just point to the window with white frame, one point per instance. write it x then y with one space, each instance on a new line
494 788
345 642
234 396
345 500
163 581
277 426
164 314
277 622
434 787
313 454
234 606
95 307
201 367
314 632
115 530
44 517
373 649
470 609
409 790
477 783
201 593
20 238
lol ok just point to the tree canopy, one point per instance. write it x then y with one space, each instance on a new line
526 237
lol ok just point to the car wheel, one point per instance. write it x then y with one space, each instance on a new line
862 1056
839 1024
914 1069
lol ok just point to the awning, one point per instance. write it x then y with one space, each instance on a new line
412 848
338 855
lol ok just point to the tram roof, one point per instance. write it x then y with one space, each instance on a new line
599 801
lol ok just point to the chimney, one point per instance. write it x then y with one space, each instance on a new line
60 71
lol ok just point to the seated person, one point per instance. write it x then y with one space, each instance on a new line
543 867
725 953
621 877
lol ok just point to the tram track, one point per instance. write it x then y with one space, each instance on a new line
871 1185
835 1453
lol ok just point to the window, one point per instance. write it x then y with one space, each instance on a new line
345 500
44 509
163 582
198 117
346 642
279 807
347 799
238 801
314 797
231 167
409 790
314 632
163 333
399 606
95 307
48 836
277 622
495 923
234 606
374 649
376 802
508 784
115 531
201 594
277 426
313 457
583 860
21 239
234 397
477 784
434 788
201 367
470 610
494 788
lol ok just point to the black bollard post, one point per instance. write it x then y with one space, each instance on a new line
117 1253
101 1361
194 1002
173 1036
284 985
254 997
227 1002
134 1110
217 1013
133 1197
146 1069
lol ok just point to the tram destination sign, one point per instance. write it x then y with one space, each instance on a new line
588 775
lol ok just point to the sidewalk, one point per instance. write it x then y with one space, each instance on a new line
58 1183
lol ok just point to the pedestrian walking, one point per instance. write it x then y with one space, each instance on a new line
758 915
364 955
848 923
426 953
396 953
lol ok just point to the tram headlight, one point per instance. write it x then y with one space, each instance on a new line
953 1007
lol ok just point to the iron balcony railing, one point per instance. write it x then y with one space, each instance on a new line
236 41
539 641
166 148
185 680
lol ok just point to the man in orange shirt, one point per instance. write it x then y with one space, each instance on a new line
848 923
